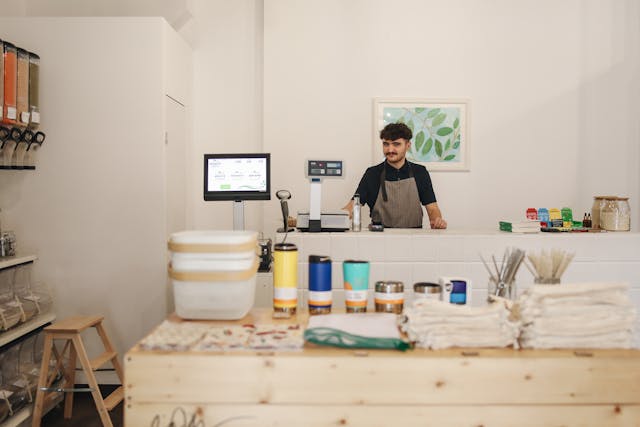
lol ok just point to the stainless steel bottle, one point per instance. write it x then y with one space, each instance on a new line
356 222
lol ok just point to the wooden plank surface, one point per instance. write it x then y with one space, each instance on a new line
378 416
74 324
389 380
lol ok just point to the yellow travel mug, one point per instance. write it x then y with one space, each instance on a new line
285 277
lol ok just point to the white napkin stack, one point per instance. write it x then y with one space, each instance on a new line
577 315
437 325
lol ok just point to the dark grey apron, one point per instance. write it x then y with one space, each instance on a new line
398 203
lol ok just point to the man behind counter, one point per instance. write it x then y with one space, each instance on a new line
396 189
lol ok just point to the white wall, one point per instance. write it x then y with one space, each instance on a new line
553 89
94 209
227 99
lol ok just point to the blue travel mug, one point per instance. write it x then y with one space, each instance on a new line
319 284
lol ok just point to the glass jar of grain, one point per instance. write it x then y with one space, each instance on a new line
614 215
624 214
598 204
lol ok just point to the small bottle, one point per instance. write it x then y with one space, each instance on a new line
356 223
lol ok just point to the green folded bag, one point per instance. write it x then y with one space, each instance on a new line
337 338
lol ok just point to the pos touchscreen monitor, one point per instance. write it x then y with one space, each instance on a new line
237 177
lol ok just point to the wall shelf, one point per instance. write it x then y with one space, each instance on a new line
11 261
14 333
25 413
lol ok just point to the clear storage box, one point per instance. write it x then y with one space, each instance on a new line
213 273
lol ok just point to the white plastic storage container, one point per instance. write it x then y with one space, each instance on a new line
213 273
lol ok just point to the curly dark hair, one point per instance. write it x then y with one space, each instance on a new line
394 131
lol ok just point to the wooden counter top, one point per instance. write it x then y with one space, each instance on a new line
323 386
264 316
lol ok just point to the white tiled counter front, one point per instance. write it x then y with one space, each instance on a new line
423 255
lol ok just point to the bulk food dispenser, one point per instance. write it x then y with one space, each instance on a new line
10 112
22 87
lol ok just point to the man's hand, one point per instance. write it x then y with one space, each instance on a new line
438 223
435 216
349 208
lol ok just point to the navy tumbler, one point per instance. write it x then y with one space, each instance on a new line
319 284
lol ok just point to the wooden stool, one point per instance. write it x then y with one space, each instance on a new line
69 329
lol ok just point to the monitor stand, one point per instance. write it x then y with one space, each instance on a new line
238 215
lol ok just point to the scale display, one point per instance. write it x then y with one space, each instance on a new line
324 168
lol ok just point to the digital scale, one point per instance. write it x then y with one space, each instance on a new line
315 221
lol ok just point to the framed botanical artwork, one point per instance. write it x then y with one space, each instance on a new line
440 139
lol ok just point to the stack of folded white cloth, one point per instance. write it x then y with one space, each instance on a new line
436 325
580 315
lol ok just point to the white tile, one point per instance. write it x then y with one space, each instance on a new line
377 272
474 246
337 278
603 271
619 247
371 247
315 244
338 301
583 272
399 271
453 269
424 272
303 275
625 271
583 245
397 248
450 248
344 246
423 248
532 242
478 274
295 238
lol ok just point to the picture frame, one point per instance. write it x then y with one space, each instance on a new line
440 130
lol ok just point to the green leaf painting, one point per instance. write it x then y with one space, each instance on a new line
436 131
419 140
444 131
427 147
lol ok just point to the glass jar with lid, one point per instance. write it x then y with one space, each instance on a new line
624 214
611 216
598 204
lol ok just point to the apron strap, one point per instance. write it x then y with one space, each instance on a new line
383 187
